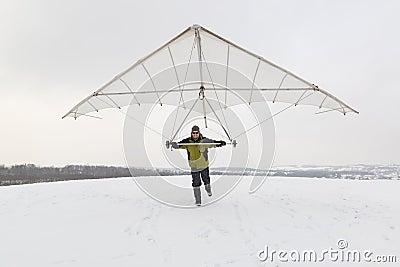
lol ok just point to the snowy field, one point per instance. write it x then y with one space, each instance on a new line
111 222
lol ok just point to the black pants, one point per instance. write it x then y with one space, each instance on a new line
205 176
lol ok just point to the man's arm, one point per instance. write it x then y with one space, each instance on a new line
207 140
177 145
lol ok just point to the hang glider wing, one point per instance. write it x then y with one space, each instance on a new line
198 58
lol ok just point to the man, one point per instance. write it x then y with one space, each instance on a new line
198 160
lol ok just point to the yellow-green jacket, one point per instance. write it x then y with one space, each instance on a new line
197 155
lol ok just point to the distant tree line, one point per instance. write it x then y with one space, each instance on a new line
31 173
321 173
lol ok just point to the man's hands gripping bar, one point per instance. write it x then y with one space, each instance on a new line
220 143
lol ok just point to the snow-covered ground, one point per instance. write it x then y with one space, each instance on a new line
111 222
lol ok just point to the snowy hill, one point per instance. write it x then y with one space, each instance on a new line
111 222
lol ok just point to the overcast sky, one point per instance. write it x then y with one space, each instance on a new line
54 53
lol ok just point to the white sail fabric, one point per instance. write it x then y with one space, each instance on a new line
230 75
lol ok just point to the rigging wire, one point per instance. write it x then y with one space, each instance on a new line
133 118
213 85
183 121
182 86
220 123
222 136
272 116
218 133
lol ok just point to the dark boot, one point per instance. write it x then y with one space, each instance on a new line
208 189
197 195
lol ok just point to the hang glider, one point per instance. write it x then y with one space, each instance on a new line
203 72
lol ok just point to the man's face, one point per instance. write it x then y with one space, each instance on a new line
195 134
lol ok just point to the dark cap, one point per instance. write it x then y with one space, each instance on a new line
195 128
